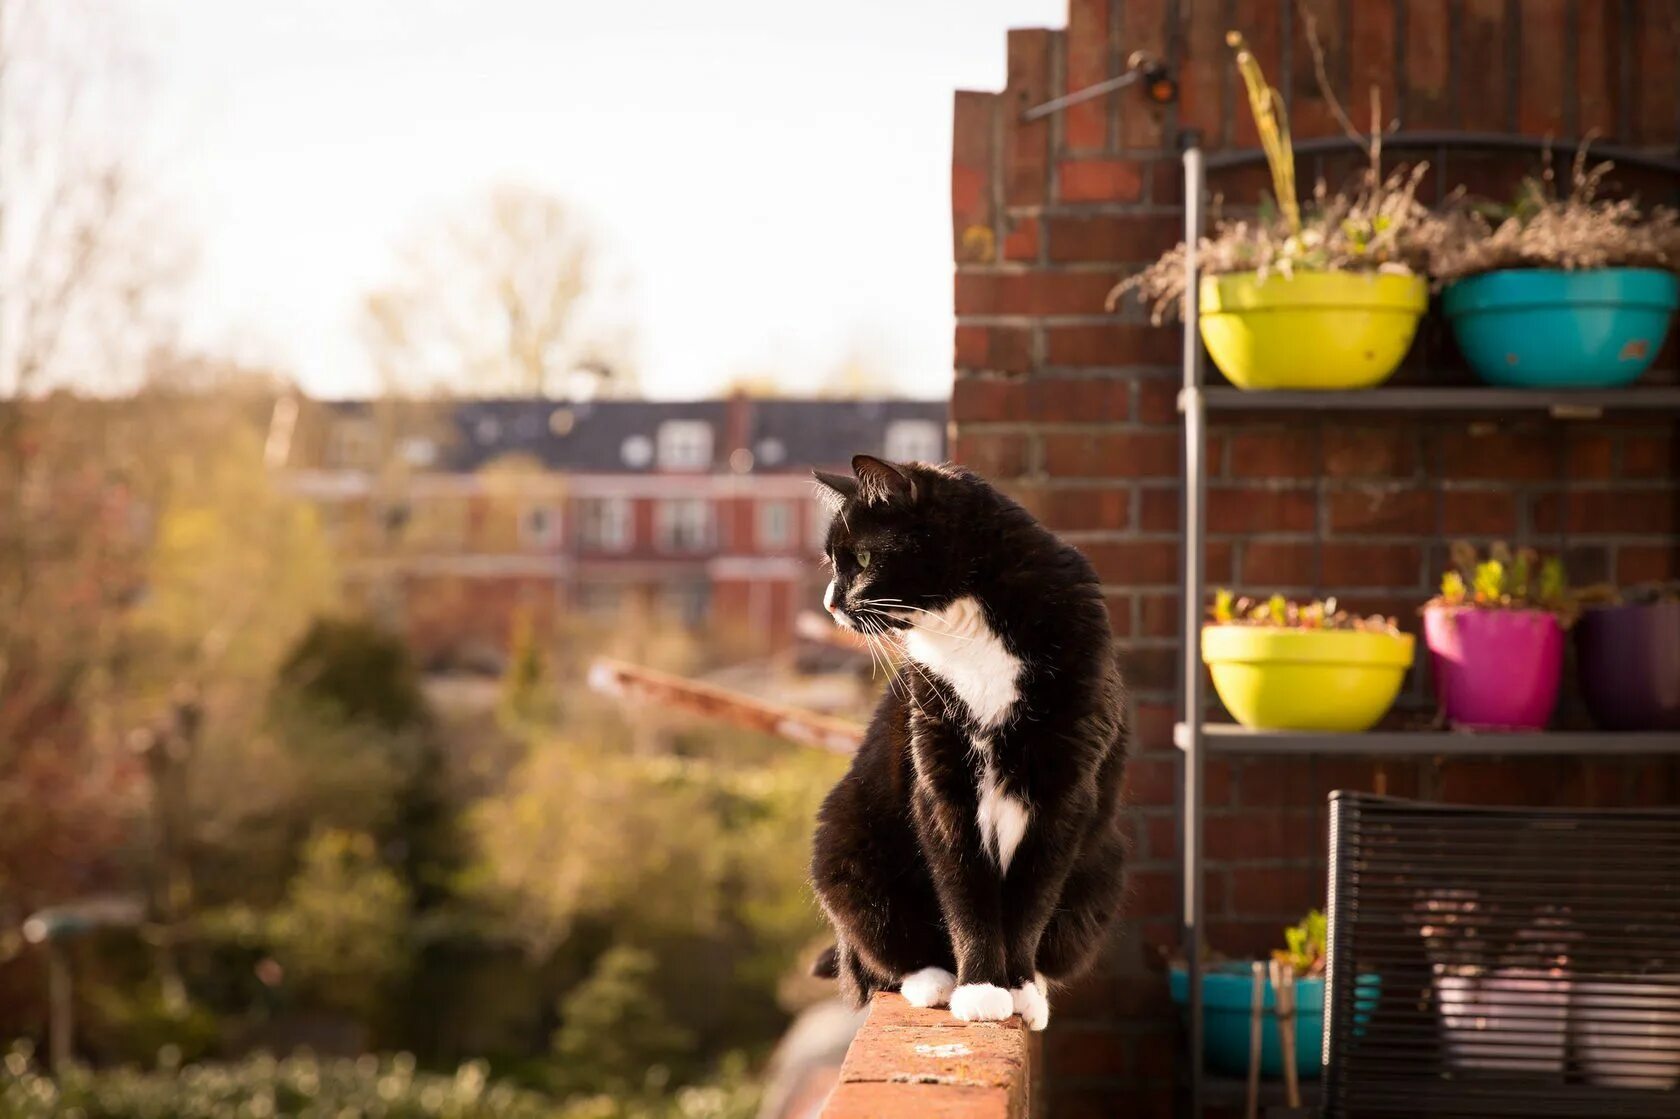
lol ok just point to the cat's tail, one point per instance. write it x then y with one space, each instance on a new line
827 963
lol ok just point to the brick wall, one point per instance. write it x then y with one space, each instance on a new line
1073 411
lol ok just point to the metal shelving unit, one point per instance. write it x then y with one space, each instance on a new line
1195 738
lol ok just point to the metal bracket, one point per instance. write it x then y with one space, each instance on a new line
1141 66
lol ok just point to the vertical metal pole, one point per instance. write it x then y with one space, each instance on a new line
61 1007
1195 524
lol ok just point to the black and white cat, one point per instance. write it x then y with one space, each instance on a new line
973 851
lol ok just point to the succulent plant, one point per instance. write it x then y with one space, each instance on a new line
1305 944
1505 580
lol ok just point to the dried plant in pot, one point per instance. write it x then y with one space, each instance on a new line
1627 651
1495 637
1326 296
1279 665
1558 291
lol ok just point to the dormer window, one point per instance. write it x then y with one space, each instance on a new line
685 445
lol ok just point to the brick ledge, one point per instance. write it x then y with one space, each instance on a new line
925 1064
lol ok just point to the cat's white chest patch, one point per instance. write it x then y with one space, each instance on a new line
1002 817
959 647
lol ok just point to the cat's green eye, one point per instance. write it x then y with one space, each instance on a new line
863 558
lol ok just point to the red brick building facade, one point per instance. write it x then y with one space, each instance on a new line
1073 410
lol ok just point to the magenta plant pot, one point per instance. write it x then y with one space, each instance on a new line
1495 669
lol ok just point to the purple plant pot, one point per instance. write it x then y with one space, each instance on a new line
1629 658
1495 669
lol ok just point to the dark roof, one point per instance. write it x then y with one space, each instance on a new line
590 436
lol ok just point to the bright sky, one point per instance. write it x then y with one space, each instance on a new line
769 176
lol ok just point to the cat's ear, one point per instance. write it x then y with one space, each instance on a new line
834 490
879 480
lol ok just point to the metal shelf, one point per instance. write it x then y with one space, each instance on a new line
1226 738
1558 404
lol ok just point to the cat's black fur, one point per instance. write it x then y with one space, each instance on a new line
899 863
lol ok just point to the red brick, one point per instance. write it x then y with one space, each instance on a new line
1031 293
1482 89
1161 834
1119 614
992 454
1078 399
1265 834
1085 126
1366 452
1113 238
1282 891
1309 109
1642 511
1377 509
1245 509
1099 180
1544 36
1649 456
1372 565
1428 82
1158 400
1272 454
1144 26
1203 78
1026 146
925 1101
1159 510
1152 781
989 1058
1278 563
987 398
1478 512
1597 69
1088 1051
1160 615
1107 507
1150 892
1589 455
1152 725
1111 454
1151 669
1658 87
1134 562
1114 343
1002 349
1020 241
1373 59
1263 782
1498 454
1646 563
972 155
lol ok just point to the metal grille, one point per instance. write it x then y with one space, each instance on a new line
1502 961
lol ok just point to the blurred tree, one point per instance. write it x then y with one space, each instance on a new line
497 300
615 1034
530 696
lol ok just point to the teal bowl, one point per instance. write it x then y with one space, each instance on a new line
1545 328
1226 990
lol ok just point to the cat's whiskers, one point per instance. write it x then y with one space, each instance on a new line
887 605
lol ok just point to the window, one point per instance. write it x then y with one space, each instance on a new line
821 514
419 452
637 451
604 524
686 525
914 441
539 525
775 525
487 430
771 451
685 445
600 600
350 445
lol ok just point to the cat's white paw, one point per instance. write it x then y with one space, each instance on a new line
1032 1004
981 1002
931 986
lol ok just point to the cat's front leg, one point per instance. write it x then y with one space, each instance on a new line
970 893
1031 892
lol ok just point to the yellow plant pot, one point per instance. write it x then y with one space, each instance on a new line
1294 679
1312 330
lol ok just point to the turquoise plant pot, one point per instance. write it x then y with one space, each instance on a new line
1549 329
